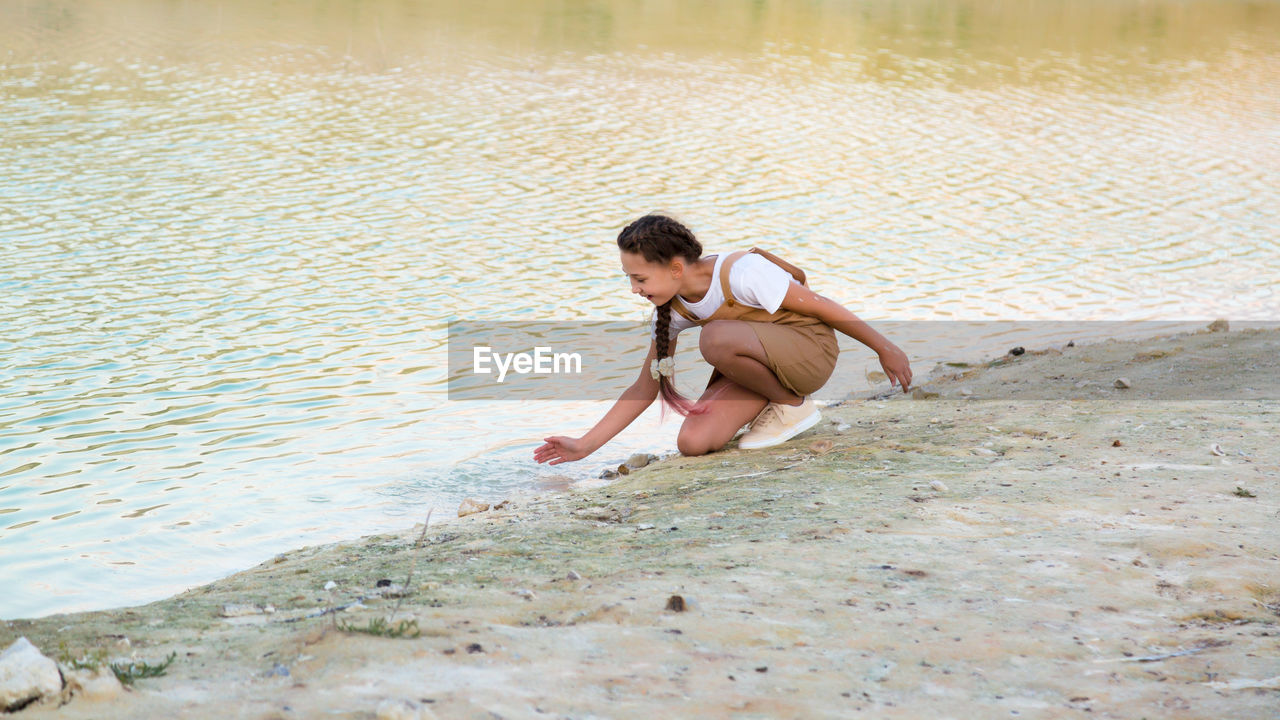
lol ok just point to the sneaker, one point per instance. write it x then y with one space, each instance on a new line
777 424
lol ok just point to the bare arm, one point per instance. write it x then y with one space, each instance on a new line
633 401
805 301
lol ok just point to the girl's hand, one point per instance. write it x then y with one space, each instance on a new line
560 449
896 366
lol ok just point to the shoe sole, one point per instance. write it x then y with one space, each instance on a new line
794 431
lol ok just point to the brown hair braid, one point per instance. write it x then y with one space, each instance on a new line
660 239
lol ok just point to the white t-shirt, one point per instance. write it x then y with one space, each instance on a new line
754 280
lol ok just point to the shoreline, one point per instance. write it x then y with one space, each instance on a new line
1021 535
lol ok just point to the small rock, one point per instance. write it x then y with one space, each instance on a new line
1071 343
26 676
474 648
623 469
94 685
1122 383
471 506
231 610
1017 351
392 709
965 392
922 394
502 505
938 486
279 670
842 427
637 461
1116 443
983 451
608 474
716 514
394 590
820 447
934 420
675 603
1216 449
526 594
1219 325
644 526
330 585
384 582
573 576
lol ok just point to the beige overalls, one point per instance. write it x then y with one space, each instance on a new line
801 349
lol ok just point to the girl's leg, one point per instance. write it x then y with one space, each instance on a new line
731 346
730 406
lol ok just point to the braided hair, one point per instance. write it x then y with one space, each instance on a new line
659 239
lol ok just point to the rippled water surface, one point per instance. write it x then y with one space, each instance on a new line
232 233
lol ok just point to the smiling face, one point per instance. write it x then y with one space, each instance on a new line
655 282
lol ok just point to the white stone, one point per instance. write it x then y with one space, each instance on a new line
938 485
26 674
471 507
96 685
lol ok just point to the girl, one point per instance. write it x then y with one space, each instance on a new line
768 336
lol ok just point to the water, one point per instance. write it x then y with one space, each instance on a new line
232 234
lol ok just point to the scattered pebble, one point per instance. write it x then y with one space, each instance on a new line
526 594
474 648
820 447
471 506
1017 351
983 451
922 394
330 585
637 461
1116 443
938 486
675 603
573 576
623 469
966 392
1216 449
231 610
1122 383
644 526
608 474
395 709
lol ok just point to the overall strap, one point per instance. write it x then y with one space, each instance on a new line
796 272
724 276
678 305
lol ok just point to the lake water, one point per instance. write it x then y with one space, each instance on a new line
232 234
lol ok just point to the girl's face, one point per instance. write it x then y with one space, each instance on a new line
655 282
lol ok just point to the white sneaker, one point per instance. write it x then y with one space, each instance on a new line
777 424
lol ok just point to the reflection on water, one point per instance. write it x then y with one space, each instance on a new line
232 235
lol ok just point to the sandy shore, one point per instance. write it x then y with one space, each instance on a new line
1031 541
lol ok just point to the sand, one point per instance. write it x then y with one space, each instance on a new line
1031 541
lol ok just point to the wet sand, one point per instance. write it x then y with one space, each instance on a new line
1031 541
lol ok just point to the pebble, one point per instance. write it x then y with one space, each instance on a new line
983 451
1017 351
637 461
526 594
608 474
938 486
1122 383
820 447
644 526
966 392
675 603
573 576
934 420
398 709
26 675
471 506
922 394
231 610
330 585
1216 449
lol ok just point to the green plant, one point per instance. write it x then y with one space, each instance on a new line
126 673
380 627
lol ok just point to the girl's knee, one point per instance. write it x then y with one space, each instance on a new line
692 443
715 342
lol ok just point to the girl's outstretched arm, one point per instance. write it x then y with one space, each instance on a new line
805 301
633 401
